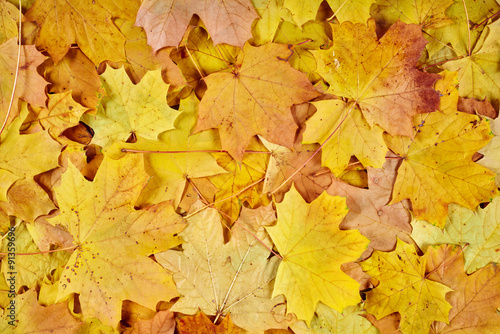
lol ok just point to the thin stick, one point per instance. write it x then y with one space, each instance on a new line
192 59
338 10
17 71
125 150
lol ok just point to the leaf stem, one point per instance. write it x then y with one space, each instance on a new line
17 71
468 27
45 252
485 20
125 150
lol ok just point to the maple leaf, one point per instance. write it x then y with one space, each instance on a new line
235 277
34 318
163 322
437 168
29 270
174 164
310 181
236 183
141 59
201 324
30 85
198 57
127 109
86 23
254 99
368 209
9 15
405 288
76 73
479 229
429 14
23 156
113 240
354 136
313 248
379 75
62 112
474 298
311 36
165 23
20 200
357 11
477 72
327 320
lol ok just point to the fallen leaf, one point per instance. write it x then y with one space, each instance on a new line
475 107
474 298
30 317
313 248
379 75
76 73
109 234
369 210
357 11
127 109
200 324
254 99
85 23
9 15
437 168
405 288
478 229
227 22
353 136
236 277
162 323
30 85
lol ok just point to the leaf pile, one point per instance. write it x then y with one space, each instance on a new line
250 166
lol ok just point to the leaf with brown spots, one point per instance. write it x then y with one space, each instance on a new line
113 240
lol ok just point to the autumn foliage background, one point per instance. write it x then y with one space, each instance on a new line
237 166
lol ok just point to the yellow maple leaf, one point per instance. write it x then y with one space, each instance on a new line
174 164
478 229
313 249
379 75
437 167
86 23
24 156
357 11
404 288
254 99
113 240
127 109
354 136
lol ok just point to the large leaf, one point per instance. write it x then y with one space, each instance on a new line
313 249
113 240
236 277
379 75
254 99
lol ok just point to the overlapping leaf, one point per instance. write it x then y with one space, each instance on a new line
254 99
437 167
313 249
236 277
113 240
379 75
